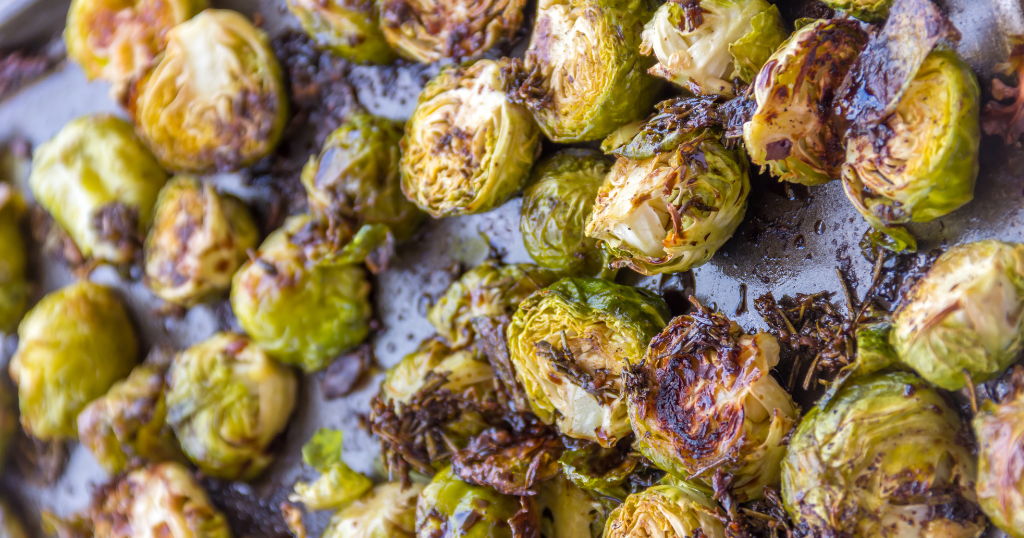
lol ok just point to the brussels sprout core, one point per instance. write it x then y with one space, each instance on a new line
349 28
668 511
1000 432
434 30
389 511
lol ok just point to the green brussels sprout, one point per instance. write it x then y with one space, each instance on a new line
117 40
338 484
887 456
669 511
489 289
788 132
216 99
198 240
566 511
357 176
865 10
920 162
296 302
227 400
100 183
703 400
569 344
11 526
14 287
467 147
965 315
999 429
703 45
428 32
348 28
450 507
389 511
604 471
555 210
72 347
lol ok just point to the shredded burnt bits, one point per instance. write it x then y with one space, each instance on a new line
512 462
119 224
525 86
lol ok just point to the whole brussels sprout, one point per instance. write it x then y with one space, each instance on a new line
569 512
788 132
297 305
569 344
467 147
357 176
348 28
72 347
11 526
215 99
999 429
702 45
100 183
887 456
199 239
450 507
389 511
431 31
865 10
227 401
117 40
703 400
921 162
555 210
14 287
338 485
669 511
965 314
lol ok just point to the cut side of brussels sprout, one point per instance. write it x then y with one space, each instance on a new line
14 286
389 511
433 30
668 511
215 99
447 504
467 147
348 28
999 429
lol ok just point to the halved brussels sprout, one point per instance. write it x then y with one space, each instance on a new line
357 176
490 289
703 401
348 28
227 401
130 421
389 511
297 302
14 287
566 511
569 344
467 147
999 429
965 315
668 511
199 239
117 40
887 456
607 472
216 98
555 210
921 162
791 131
100 183
72 347
338 485
449 506
703 45
430 31
865 10
11 526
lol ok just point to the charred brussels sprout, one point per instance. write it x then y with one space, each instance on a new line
791 131
702 400
11 525
467 147
887 456
865 10
14 287
349 28
73 346
921 162
555 210
448 503
566 511
227 401
100 183
569 344
703 45
389 511
965 315
999 429
434 30
669 511
199 239
338 484
216 98
356 175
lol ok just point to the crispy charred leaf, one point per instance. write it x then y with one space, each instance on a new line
513 465
490 334
526 522
611 473
1006 119
348 373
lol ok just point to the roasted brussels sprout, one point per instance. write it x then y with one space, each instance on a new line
459 370
199 239
791 131
72 347
569 344
227 401
965 315
669 511
389 511
215 99
467 147
555 210
703 400
117 40
349 28
865 10
887 456
11 526
431 31
566 511
100 183
14 287
448 503
296 302
610 473
921 162
338 484
703 45
999 428
356 176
